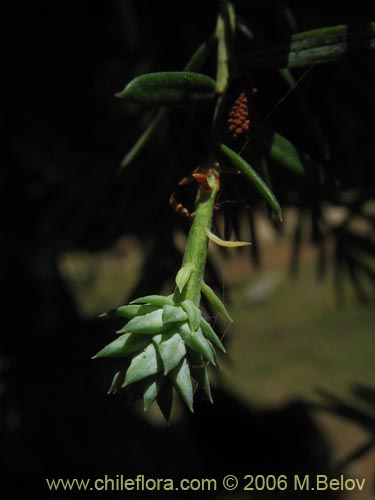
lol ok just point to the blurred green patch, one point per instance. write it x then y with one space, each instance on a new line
290 337
101 281
297 339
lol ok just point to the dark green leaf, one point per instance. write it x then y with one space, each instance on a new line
245 30
143 365
117 381
209 333
193 312
200 55
252 176
155 300
149 323
212 348
170 89
194 64
124 346
281 151
183 276
130 311
171 348
182 381
318 46
199 373
152 388
173 314
144 139
197 341
215 301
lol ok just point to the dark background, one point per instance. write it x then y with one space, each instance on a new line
65 136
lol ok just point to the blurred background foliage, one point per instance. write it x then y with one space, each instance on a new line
80 239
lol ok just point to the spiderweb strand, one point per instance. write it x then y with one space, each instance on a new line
279 102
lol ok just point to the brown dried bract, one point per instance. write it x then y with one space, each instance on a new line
201 176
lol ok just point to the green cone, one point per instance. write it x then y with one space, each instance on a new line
164 345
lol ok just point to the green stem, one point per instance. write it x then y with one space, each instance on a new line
144 139
222 73
224 32
196 248
197 243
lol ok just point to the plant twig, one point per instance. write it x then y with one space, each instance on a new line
196 247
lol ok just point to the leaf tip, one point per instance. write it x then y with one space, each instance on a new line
122 166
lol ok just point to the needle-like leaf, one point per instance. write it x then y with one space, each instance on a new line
182 381
171 348
318 46
123 346
155 300
215 301
251 175
197 341
143 365
281 151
